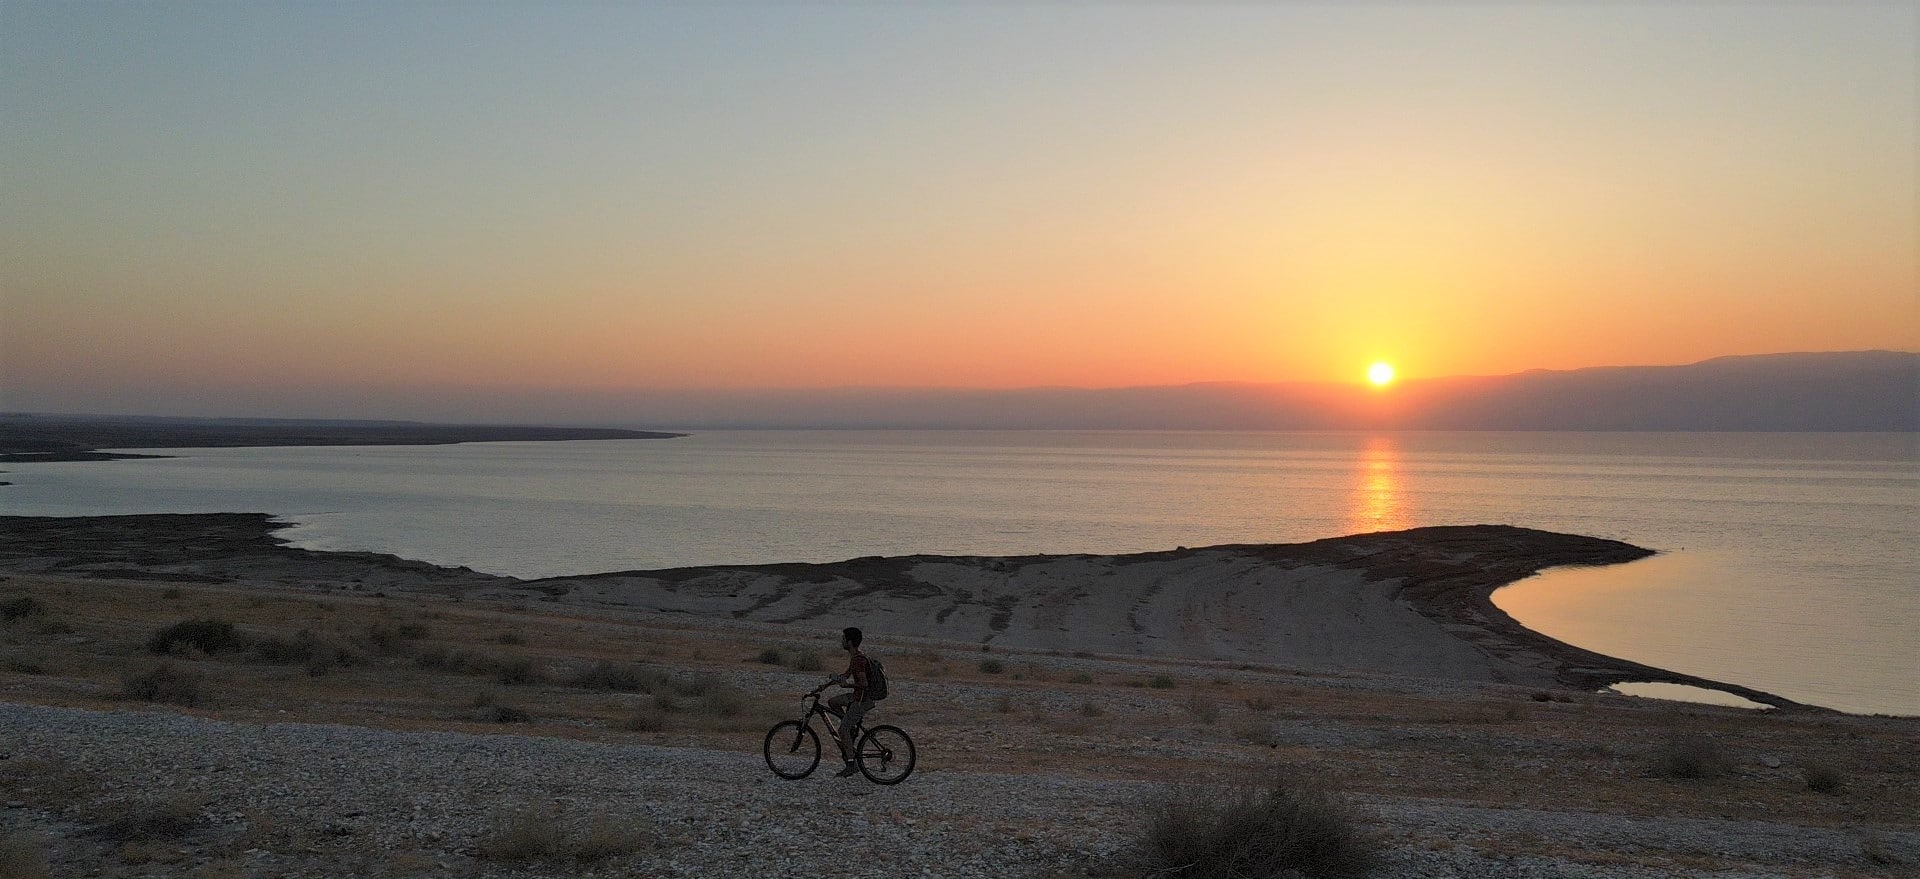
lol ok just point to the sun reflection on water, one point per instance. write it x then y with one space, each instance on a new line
1379 494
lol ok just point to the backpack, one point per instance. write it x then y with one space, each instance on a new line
876 680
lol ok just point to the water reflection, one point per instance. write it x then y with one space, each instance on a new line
1379 495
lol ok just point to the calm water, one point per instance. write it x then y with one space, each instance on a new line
1791 562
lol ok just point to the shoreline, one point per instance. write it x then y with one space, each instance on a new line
50 439
1413 603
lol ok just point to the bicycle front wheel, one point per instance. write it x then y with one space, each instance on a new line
886 755
792 749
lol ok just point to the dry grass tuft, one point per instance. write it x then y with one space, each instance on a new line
1283 825
524 835
1691 756
537 835
206 636
1823 778
23 855
606 838
165 682
1204 709
20 608
152 820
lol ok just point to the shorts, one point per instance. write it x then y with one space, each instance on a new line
856 712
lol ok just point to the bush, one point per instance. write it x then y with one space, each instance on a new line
164 683
23 855
1204 710
992 666
153 820
1088 709
607 838
387 640
1161 682
646 718
772 656
510 638
319 655
524 836
618 677
1260 702
207 636
1691 756
1081 678
507 714
1280 826
521 670
21 608
808 660
457 661
1822 778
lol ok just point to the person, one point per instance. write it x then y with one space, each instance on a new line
853 706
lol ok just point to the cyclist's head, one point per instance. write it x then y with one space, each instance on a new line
850 635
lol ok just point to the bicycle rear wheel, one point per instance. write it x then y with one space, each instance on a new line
886 755
792 749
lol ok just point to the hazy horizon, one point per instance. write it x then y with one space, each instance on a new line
1817 391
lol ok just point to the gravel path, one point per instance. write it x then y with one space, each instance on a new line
305 800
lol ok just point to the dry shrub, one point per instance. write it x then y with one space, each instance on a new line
1282 825
1691 756
1260 702
1204 709
152 820
506 714
320 655
524 835
537 835
808 660
21 608
1823 778
617 677
606 838
521 671
207 636
646 718
163 683
992 666
456 661
1161 682
1089 709
23 855
1081 678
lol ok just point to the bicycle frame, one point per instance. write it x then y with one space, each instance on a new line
828 718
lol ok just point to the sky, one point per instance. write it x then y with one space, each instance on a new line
358 209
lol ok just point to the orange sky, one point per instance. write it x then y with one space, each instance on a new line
579 197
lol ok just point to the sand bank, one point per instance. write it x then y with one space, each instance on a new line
1412 603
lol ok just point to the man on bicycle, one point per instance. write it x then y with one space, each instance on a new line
851 707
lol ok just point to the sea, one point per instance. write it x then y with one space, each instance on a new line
1786 562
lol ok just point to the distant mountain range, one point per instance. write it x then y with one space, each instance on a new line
1836 391
1833 391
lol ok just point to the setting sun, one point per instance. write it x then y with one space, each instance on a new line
1381 374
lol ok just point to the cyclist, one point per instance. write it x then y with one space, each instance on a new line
851 707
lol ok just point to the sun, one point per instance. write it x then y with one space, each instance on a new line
1381 374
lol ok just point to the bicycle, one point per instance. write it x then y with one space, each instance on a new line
884 753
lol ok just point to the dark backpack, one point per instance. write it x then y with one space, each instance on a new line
876 680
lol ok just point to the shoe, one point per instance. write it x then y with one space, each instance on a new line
850 770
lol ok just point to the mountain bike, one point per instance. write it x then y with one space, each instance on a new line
883 753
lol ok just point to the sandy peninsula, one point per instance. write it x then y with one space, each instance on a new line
1410 603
